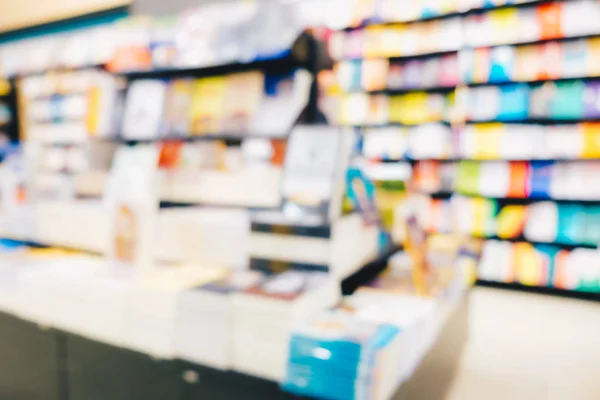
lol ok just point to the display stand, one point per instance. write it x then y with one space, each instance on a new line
49 364
508 158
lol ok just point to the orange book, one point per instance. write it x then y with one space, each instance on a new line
549 18
560 270
519 175
130 58
170 154
279 149
427 176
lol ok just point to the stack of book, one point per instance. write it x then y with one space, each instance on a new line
205 322
264 315
149 325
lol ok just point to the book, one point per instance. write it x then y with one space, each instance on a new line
144 109
204 324
265 314
207 105
177 108
243 96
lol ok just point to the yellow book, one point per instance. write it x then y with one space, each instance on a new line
528 268
511 221
410 109
207 105
483 214
373 44
591 139
593 57
391 41
488 141
505 24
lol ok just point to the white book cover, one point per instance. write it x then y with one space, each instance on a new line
144 109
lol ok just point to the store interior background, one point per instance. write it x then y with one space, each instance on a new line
527 335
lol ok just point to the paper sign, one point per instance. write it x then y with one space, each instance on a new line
316 160
132 201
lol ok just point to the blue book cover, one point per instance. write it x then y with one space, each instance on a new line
567 102
540 179
334 356
502 61
592 229
514 102
571 224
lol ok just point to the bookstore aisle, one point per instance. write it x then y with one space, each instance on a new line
527 346
272 199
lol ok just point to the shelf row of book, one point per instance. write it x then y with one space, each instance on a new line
382 74
392 11
242 103
482 142
529 63
74 122
544 266
530 24
565 100
249 102
570 224
517 102
541 180
256 31
505 64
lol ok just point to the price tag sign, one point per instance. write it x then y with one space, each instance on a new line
131 197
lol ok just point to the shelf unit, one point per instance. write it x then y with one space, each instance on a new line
504 76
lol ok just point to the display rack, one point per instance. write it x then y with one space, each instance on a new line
566 66
523 105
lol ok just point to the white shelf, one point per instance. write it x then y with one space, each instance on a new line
254 187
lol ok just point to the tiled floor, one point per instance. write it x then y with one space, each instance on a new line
529 347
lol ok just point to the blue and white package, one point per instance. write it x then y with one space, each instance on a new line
334 356
502 61
540 179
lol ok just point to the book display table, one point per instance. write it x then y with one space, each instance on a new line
46 364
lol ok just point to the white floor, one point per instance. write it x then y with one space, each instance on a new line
529 347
